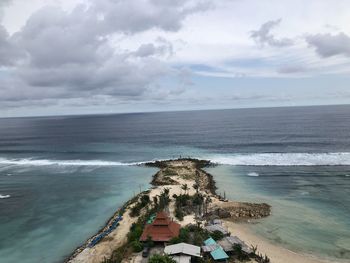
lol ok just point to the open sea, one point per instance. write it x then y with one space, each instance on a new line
61 178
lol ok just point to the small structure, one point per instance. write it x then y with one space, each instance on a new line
182 252
216 251
162 229
217 222
217 227
227 244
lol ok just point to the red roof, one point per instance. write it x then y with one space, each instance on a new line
162 229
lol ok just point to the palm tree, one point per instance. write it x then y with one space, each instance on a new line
184 187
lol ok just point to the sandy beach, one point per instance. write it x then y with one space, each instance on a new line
277 254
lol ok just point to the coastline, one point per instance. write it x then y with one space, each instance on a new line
277 254
104 249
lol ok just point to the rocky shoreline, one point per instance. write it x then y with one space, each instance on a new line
225 209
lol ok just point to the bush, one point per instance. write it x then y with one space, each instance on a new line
136 246
217 235
135 232
161 259
179 214
144 201
175 240
184 234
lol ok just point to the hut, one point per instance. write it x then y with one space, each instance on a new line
215 250
162 229
182 252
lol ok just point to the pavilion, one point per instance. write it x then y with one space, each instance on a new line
162 229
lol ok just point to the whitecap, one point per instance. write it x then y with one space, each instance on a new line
4 196
46 162
284 159
254 174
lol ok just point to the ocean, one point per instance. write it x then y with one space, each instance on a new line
61 178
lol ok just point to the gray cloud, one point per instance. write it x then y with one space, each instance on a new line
9 52
263 35
328 45
291 69
68 55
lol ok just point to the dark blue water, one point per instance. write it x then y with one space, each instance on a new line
61 178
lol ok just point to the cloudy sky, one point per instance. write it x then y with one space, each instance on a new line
105 56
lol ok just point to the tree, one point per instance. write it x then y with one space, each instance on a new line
184 187
149 242
217 235
161 259
136 246
155 201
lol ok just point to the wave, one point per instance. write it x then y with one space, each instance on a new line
45 162
4 196
254 159
254 174
284 159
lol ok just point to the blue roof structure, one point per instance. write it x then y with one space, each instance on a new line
218 253
209 242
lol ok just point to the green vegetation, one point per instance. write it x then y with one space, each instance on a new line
217 235
136 246
143 202
169 172
185 204
161 259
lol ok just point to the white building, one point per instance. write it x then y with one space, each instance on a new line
182 252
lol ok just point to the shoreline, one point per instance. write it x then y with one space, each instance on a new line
277 253
239 212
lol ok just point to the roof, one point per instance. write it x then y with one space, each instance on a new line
235 240
182 259
210 241
218 253
183 248
209 248
217 222
217 227
161 230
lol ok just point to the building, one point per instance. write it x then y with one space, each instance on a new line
215 250
162 229
182 252
217 227
227 244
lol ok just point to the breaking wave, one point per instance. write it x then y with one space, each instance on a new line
255 159
254 174
284 159
45 162
4 196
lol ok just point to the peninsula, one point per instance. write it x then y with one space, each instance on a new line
184 193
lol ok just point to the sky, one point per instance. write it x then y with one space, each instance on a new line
61 57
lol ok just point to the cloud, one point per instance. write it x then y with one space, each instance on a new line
263 35
3 3
69 54
328 45
291 69
9 52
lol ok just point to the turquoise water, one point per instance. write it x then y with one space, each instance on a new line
63 206
307 214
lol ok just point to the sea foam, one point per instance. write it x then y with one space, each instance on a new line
284 159
45 162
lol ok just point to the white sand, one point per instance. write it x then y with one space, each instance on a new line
276 253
